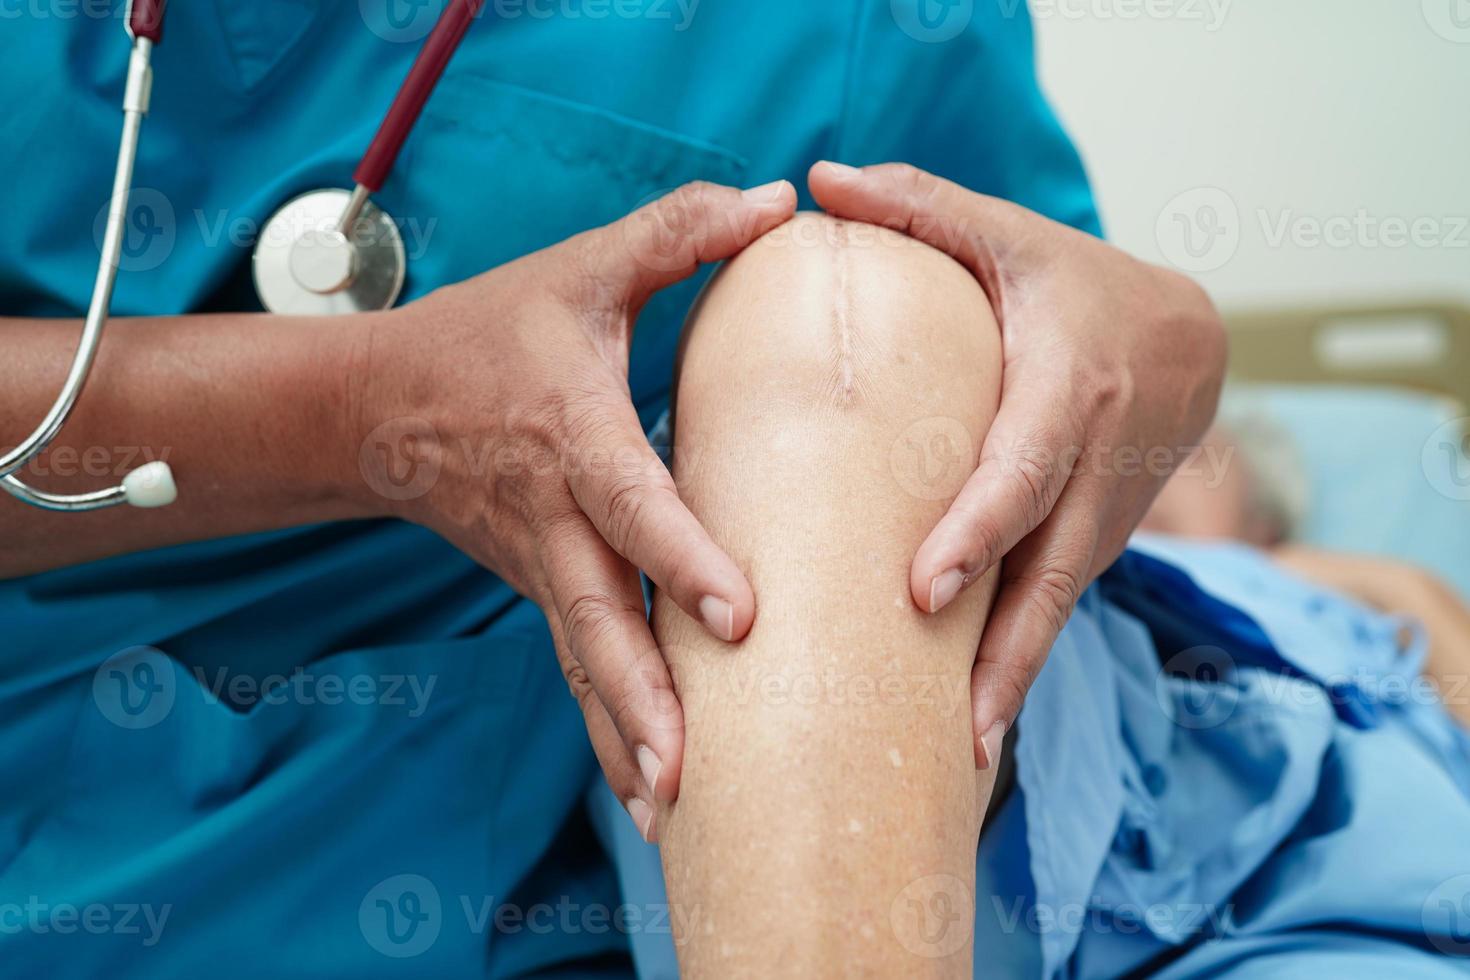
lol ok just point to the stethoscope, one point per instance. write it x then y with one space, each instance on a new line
324 252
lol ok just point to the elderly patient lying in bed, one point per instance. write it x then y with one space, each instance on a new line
1259 498
1218 771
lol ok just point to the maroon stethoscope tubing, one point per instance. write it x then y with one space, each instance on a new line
145 19
422 77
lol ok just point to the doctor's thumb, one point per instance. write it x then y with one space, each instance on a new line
668 240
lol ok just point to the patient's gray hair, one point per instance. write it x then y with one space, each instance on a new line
1281 487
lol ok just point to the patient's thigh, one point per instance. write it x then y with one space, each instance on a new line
835 385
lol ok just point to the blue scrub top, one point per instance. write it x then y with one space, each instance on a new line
346 750
554 117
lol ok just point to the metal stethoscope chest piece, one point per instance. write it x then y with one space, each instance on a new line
329 251
325 252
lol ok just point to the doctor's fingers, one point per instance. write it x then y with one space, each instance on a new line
666 241
622 776
1040 583
633 501
941 213
611 661
1026 459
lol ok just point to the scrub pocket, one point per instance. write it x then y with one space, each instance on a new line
355 816
495 171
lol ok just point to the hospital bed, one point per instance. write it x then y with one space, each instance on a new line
1377 401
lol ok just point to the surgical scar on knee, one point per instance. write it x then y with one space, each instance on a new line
848 379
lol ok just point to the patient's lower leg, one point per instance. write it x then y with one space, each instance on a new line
835 385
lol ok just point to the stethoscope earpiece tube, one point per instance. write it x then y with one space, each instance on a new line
341 271
151 485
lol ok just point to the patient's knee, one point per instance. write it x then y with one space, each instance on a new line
837 383
826 315
845 363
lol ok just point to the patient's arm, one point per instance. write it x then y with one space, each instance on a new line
1402 589
836 383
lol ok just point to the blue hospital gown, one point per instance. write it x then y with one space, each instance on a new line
341 751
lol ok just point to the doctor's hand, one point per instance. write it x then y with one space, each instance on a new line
511 390
1112 369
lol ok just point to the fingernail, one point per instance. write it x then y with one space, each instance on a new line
990 744
765 193
719 616
648 761
944 587
841 169
642 815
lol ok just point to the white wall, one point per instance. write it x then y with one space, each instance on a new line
1272 118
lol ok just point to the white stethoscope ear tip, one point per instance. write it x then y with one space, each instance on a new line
150 485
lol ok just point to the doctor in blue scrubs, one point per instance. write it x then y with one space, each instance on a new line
310 719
